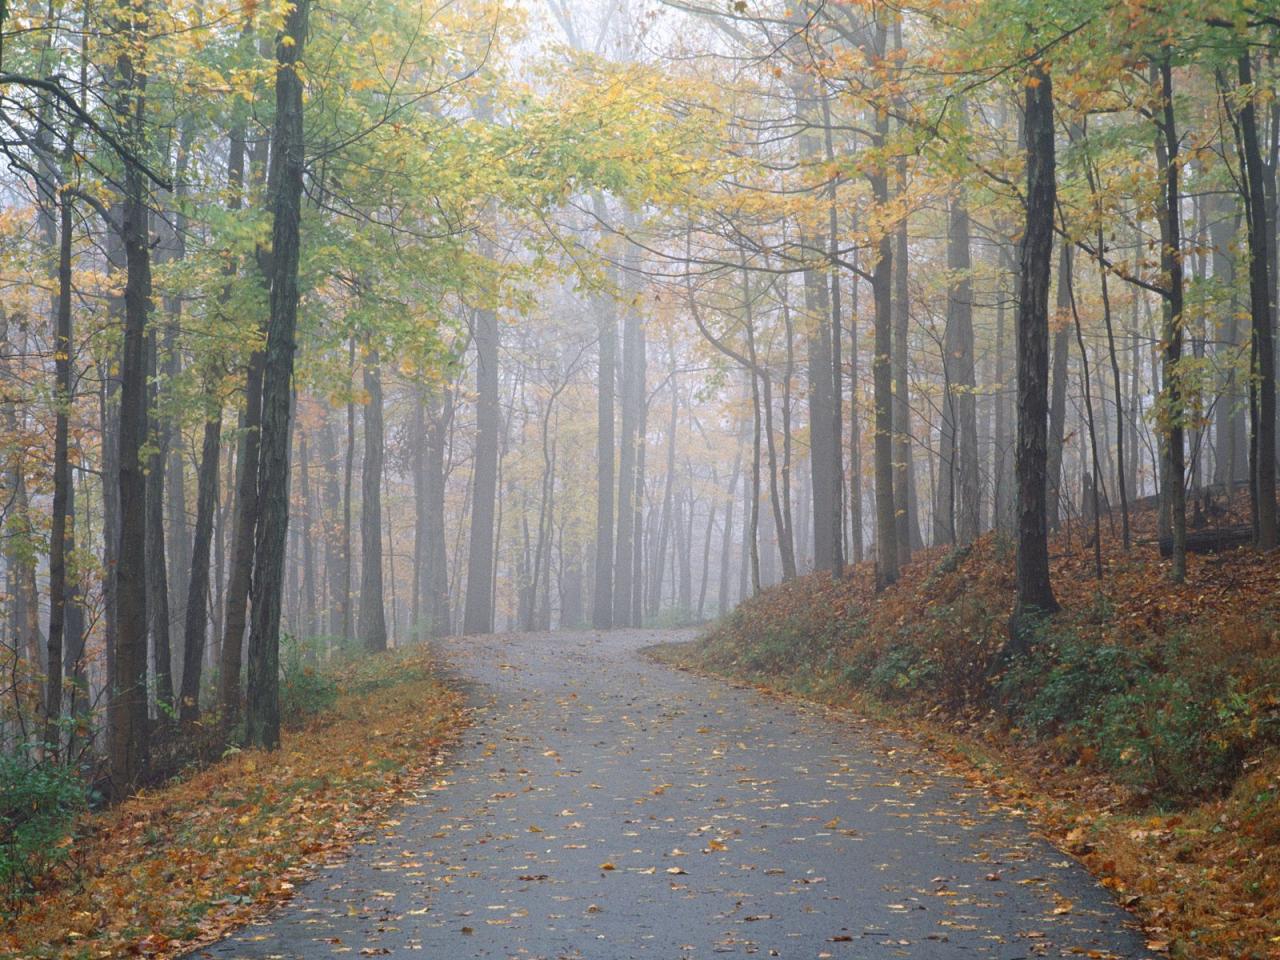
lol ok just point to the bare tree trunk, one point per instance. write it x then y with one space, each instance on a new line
198 584
906 515
478 617
127 706
887 540
62 527
1260 305
637 545
157 572
1035 597
855 428
1229 432
1093 479
726 538
262 715
348 485
964 383
837 365
821 418
664 524
1174 492
1058 400
706 549
684 546
244 525
624 569
1002 500
437 561
310 589
373 621
602 593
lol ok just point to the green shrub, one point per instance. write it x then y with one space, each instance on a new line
1180 737
304 690
1161 737
900 670
1166 720
38 805
1062 681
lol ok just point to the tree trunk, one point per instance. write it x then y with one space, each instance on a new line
198 583
437 562
1174 492
262 715
1035 597
244 527
310 589
62 528
1229 434
882 362
906 514
726 538
336 559
127 704
855 428
348 483
964 379
637 560
1058 396
478 617
706 550
602 594
157 571
1260 292
623 569
372 630
1002 501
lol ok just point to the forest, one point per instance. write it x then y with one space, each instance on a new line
331 333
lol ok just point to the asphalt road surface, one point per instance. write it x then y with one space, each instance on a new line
606 807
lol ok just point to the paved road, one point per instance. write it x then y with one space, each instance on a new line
605 807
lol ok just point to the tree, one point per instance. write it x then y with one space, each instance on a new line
127 709
1261 261
602 593
373 620
262 715
1173 404
479 611
1035 597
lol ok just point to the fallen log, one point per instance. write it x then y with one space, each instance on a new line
1211 541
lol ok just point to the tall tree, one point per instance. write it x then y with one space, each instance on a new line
1261 262
602 593
373 619
262 714
196 620
478 617
1035 597
1173 408
1058 388
62 526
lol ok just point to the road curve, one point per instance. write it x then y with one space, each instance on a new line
606 807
